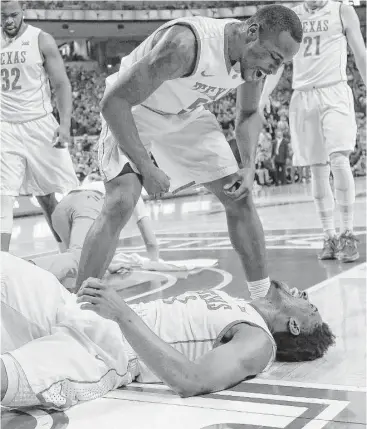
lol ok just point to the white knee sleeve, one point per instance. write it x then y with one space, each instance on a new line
321 189
345 193
6 214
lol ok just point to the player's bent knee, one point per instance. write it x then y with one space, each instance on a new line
343 178
118 204
6 214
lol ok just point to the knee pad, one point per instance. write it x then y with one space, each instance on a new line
6 214
345 193
321 189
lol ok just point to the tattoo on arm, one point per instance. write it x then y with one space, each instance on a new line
173 56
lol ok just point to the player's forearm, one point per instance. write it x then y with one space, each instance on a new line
118 115
171 366
361 64
64 103
271 82
248 127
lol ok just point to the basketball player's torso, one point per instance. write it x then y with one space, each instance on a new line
322 58
196 322
211 79
25 90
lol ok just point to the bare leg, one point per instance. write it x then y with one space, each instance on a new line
245 231
6 221
4 380
48 204
5 241
122 194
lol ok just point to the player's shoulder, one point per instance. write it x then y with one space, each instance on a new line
256 344
178 36
46 42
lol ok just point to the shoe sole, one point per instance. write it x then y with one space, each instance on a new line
331 258
351 259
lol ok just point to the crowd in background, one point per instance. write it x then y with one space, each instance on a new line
136 5
274 152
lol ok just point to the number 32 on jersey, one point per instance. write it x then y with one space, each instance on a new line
9 79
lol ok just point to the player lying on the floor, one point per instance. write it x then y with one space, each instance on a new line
60 349
72 219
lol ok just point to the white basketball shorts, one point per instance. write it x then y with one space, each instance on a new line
321 121
189 148
29 162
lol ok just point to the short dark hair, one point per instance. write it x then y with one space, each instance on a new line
304 347
276 18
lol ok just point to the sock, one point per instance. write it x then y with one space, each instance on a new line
345 193
259 288
323 198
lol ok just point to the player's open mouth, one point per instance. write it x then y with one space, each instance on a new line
259 74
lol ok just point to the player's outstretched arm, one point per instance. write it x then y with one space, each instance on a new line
246 354
55 68
354 37
248 121
172 57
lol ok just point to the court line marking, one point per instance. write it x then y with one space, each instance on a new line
308 385
227 278
258 408
287 398
326 282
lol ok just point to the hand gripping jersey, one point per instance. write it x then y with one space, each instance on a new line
322 58
210 80
25 89
195 322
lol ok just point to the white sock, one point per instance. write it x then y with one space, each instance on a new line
323 198
259 288
345 193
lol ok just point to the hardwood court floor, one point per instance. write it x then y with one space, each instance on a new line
329 393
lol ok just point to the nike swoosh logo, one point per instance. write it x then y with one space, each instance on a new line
206 75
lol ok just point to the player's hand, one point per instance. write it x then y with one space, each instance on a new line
241 184
155 181
264 105
95 295
61 138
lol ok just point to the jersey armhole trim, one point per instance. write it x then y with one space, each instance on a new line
198 41
341 18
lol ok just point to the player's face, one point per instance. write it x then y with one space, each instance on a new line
291 303
313 5
11 18
264 55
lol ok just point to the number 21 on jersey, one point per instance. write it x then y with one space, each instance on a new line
312 46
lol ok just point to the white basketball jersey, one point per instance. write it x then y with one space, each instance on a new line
210 80
25 89
195 322
322 58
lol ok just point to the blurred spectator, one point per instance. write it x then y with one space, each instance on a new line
359 168
280 155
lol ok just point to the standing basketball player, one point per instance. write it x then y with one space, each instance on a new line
321 114
156 101
34 155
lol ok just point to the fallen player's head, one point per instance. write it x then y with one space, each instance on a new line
270 37
11 17
296 324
